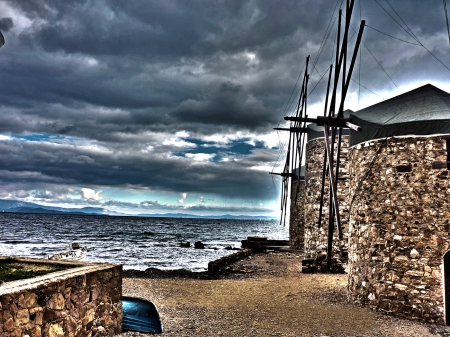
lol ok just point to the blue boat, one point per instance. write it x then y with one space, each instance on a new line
140 315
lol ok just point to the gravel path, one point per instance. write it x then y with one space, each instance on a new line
264 295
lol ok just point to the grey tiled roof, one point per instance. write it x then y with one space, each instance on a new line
422 111
424 103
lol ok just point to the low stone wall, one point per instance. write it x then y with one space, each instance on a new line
217 265
82 301
399 224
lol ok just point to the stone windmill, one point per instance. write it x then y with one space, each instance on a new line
332 124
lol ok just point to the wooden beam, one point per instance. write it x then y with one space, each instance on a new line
333 193
331 212
353 126
293 129
282 174
328 90
334 122
301 119
338 156
337 68
324 172
352 64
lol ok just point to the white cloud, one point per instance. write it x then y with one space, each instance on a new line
178 142
264 168
90 194
183 196
200 156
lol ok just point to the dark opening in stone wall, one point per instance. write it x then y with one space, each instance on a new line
448 153
447 287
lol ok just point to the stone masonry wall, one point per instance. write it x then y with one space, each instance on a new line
297 216
400 221
315 237
84 301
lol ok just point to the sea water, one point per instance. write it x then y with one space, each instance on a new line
135 242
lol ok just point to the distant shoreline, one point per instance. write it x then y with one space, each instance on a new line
14 206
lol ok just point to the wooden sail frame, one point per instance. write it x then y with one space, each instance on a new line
332 122
297 138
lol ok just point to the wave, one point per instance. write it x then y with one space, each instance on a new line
138 243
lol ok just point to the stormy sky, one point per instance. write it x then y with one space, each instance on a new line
144 106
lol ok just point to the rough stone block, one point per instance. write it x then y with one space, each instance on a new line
22 317
56 301
54 330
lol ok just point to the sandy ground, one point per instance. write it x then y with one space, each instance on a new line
264 295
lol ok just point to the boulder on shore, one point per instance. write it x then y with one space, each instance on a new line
199 245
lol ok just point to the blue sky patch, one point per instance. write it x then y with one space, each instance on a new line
235 148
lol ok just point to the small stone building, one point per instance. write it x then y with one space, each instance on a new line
396 201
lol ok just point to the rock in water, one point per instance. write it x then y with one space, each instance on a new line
199 245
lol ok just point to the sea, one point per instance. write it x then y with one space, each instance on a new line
135 242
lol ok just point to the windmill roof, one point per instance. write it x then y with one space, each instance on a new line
422 111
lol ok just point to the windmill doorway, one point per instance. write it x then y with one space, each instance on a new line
447 287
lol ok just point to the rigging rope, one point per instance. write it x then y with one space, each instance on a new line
367 89
446 20
327 34
380 65
416 44
376 60
412 35
360 62
409 31
415 37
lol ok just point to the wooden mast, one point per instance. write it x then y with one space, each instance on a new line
293 146
335 122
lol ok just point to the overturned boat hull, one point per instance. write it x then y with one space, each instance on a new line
140 315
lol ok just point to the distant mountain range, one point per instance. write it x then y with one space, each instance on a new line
14 206
193 216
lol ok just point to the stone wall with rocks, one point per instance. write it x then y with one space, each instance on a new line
400 221
297 216
83 301
315 237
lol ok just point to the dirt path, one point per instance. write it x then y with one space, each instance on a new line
265 295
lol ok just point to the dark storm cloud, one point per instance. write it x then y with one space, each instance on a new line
228 104
170 28
6 24
158 60
133 46
117 81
